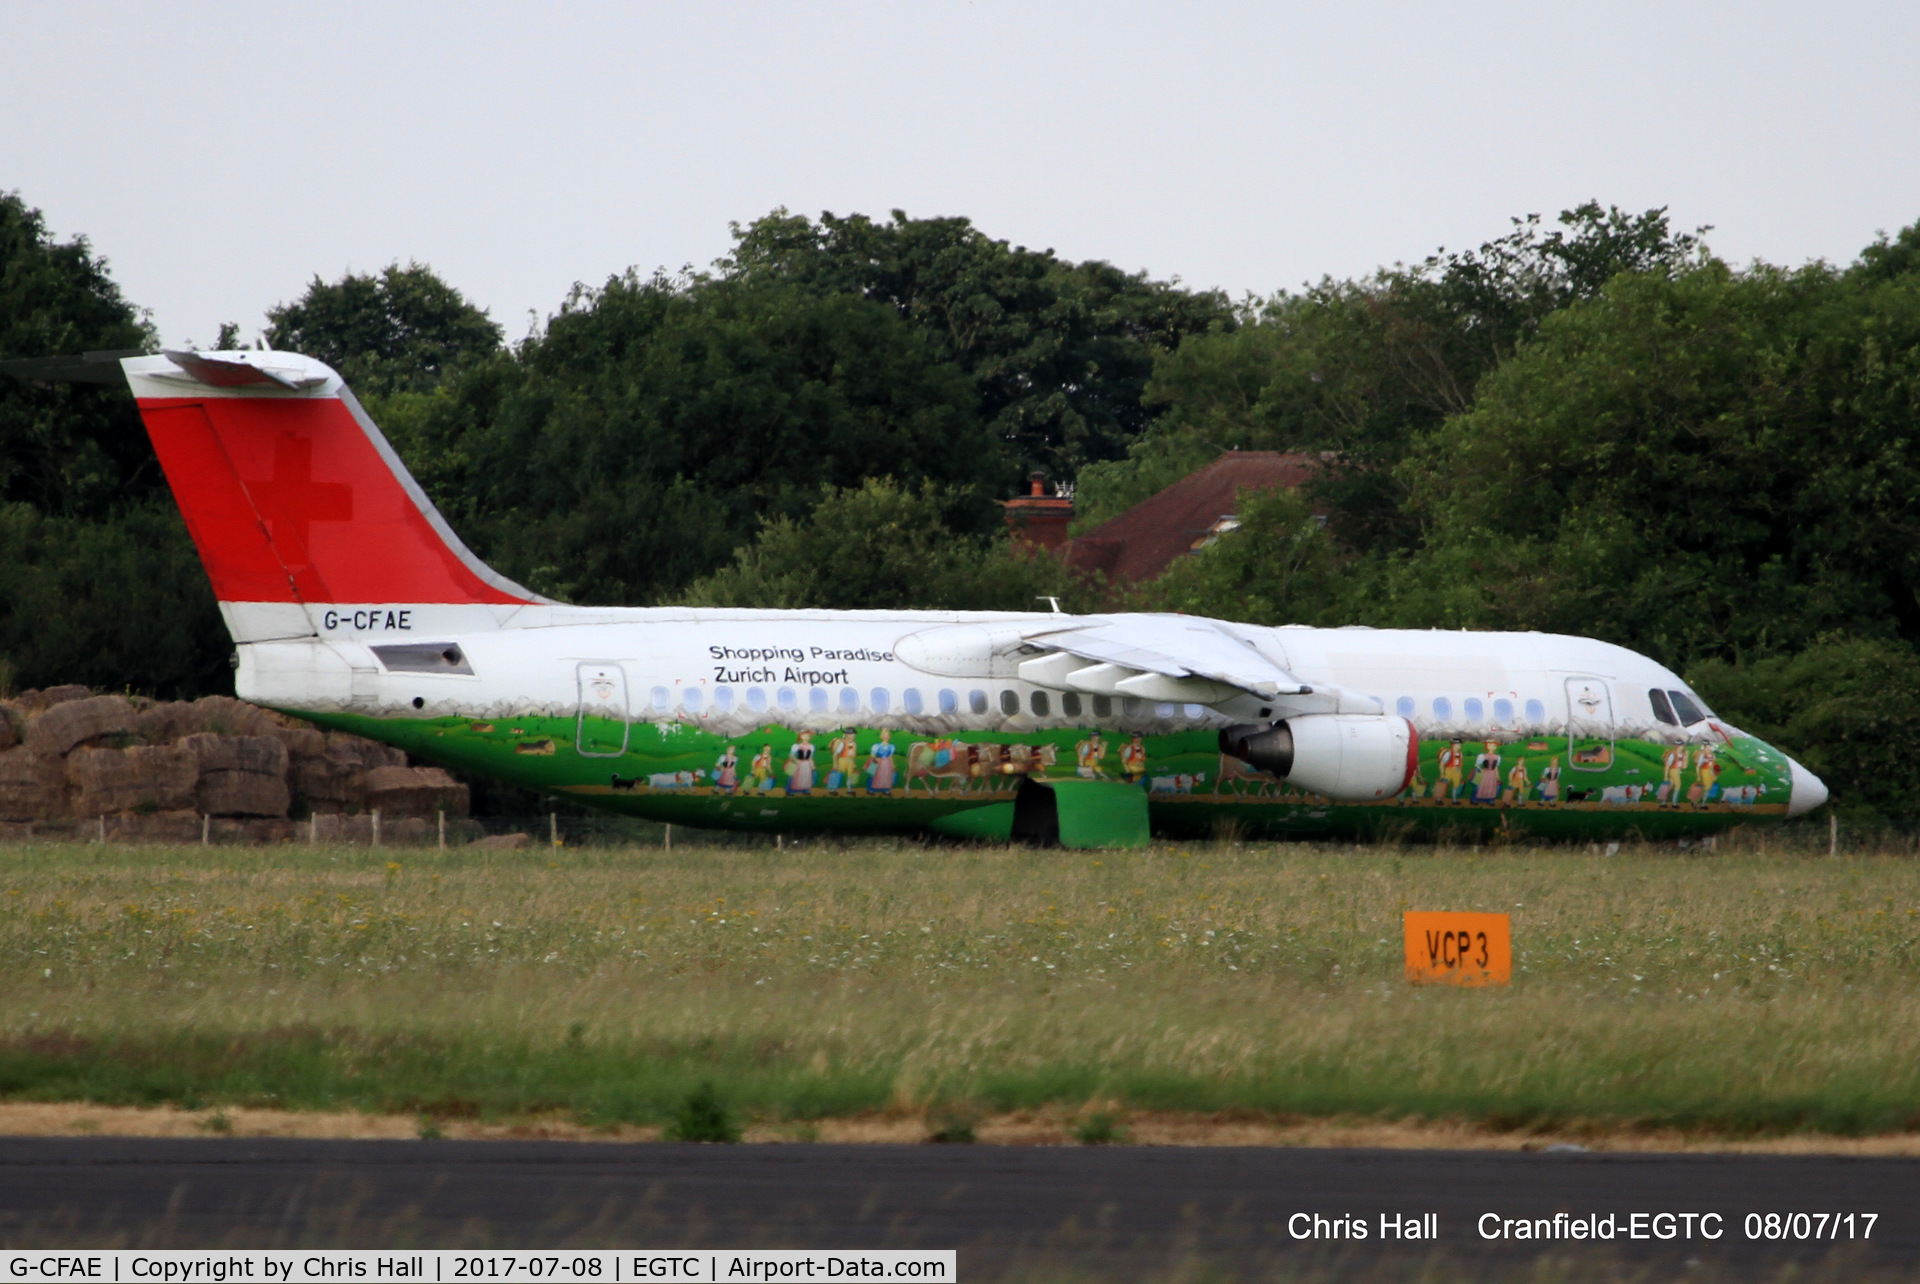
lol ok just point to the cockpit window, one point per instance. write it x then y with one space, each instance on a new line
1688 711
1661 709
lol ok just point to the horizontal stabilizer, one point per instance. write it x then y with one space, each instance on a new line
242 368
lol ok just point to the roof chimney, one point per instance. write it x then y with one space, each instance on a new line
1037 519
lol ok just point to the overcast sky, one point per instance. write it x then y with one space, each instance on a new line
222 155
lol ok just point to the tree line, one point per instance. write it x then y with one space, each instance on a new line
1588 424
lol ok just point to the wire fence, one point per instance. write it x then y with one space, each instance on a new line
559 828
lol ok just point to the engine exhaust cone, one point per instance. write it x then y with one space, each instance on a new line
1268 749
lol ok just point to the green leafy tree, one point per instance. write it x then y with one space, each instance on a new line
1843 706
400 330
67 448
1278 567
659 422
1363 369
1059 352
1716 464
98 580
115 602
1214 388
880 547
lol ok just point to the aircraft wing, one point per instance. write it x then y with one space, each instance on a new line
1156 657
1178 658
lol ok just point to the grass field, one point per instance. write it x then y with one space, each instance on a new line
1752 991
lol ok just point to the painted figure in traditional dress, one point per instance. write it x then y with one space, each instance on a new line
844 750
880 765
1087 754
800 765
1550 783
1453 769
1674 766
1133 760
1517 781
1706 774
760 770
1486 775
726 772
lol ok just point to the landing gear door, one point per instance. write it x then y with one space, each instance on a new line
601 729
1589 724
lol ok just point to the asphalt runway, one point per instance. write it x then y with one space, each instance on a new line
1138 1211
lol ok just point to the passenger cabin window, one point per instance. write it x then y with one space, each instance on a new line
1103 706
788 699
1070 704
1129 706
949 702
690 699
1442 708
817 699
1165 709
1195 711
1404 706
1503 712
1662 711
1009 703
662 698
1474 709
849 700
723 698
977 701
877 699
1536 712
756 700
1039 704
1687 711
910 700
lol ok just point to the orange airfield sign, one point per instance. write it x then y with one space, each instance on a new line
1458 949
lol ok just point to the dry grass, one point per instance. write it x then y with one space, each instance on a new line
1052 1127
1746 993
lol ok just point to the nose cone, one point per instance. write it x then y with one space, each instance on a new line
1807 791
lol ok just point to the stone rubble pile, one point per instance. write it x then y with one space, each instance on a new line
79 764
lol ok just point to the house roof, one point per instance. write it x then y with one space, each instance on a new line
1141 542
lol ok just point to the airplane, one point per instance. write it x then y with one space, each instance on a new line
352 604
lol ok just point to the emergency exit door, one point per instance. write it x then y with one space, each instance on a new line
600 731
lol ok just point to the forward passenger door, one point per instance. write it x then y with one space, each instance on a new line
1589 724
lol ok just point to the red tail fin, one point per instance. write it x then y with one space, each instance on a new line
292 495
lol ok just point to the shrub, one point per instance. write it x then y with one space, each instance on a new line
952 1130
1100 1129
703 1117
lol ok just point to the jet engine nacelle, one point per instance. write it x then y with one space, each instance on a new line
1347 757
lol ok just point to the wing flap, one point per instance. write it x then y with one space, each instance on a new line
1178 648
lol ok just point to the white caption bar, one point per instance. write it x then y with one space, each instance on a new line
271 1266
